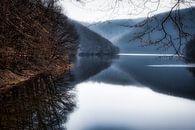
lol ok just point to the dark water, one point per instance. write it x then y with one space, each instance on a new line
40 104
125 92
137 92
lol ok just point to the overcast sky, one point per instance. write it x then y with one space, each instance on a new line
101 10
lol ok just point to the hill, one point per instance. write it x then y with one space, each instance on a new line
92 43
131 39
35 37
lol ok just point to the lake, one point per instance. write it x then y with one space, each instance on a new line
129 91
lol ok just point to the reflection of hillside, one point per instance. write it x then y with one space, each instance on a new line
114 75
132 70
88 66
190 55
38 104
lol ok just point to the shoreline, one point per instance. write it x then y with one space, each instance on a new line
10 79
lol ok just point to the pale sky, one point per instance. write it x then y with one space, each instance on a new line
101 10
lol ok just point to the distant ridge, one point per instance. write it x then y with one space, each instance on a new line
92 43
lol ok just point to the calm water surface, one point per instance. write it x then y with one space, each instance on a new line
125 92
137 92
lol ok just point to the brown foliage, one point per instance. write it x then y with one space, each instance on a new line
33 33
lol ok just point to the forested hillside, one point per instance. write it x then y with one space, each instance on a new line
147 35
35 37
91 43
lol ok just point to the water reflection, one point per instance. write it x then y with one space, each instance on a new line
88 66
42 103
190 55
172 65
174 80
115 107
39 104
147 54
124 93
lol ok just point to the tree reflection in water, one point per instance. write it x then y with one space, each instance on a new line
39 104
190 55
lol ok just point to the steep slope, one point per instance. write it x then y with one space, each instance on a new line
113 29
147 42
92 43
35 38
122 35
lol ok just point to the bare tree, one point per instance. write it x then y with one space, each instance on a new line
34 32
